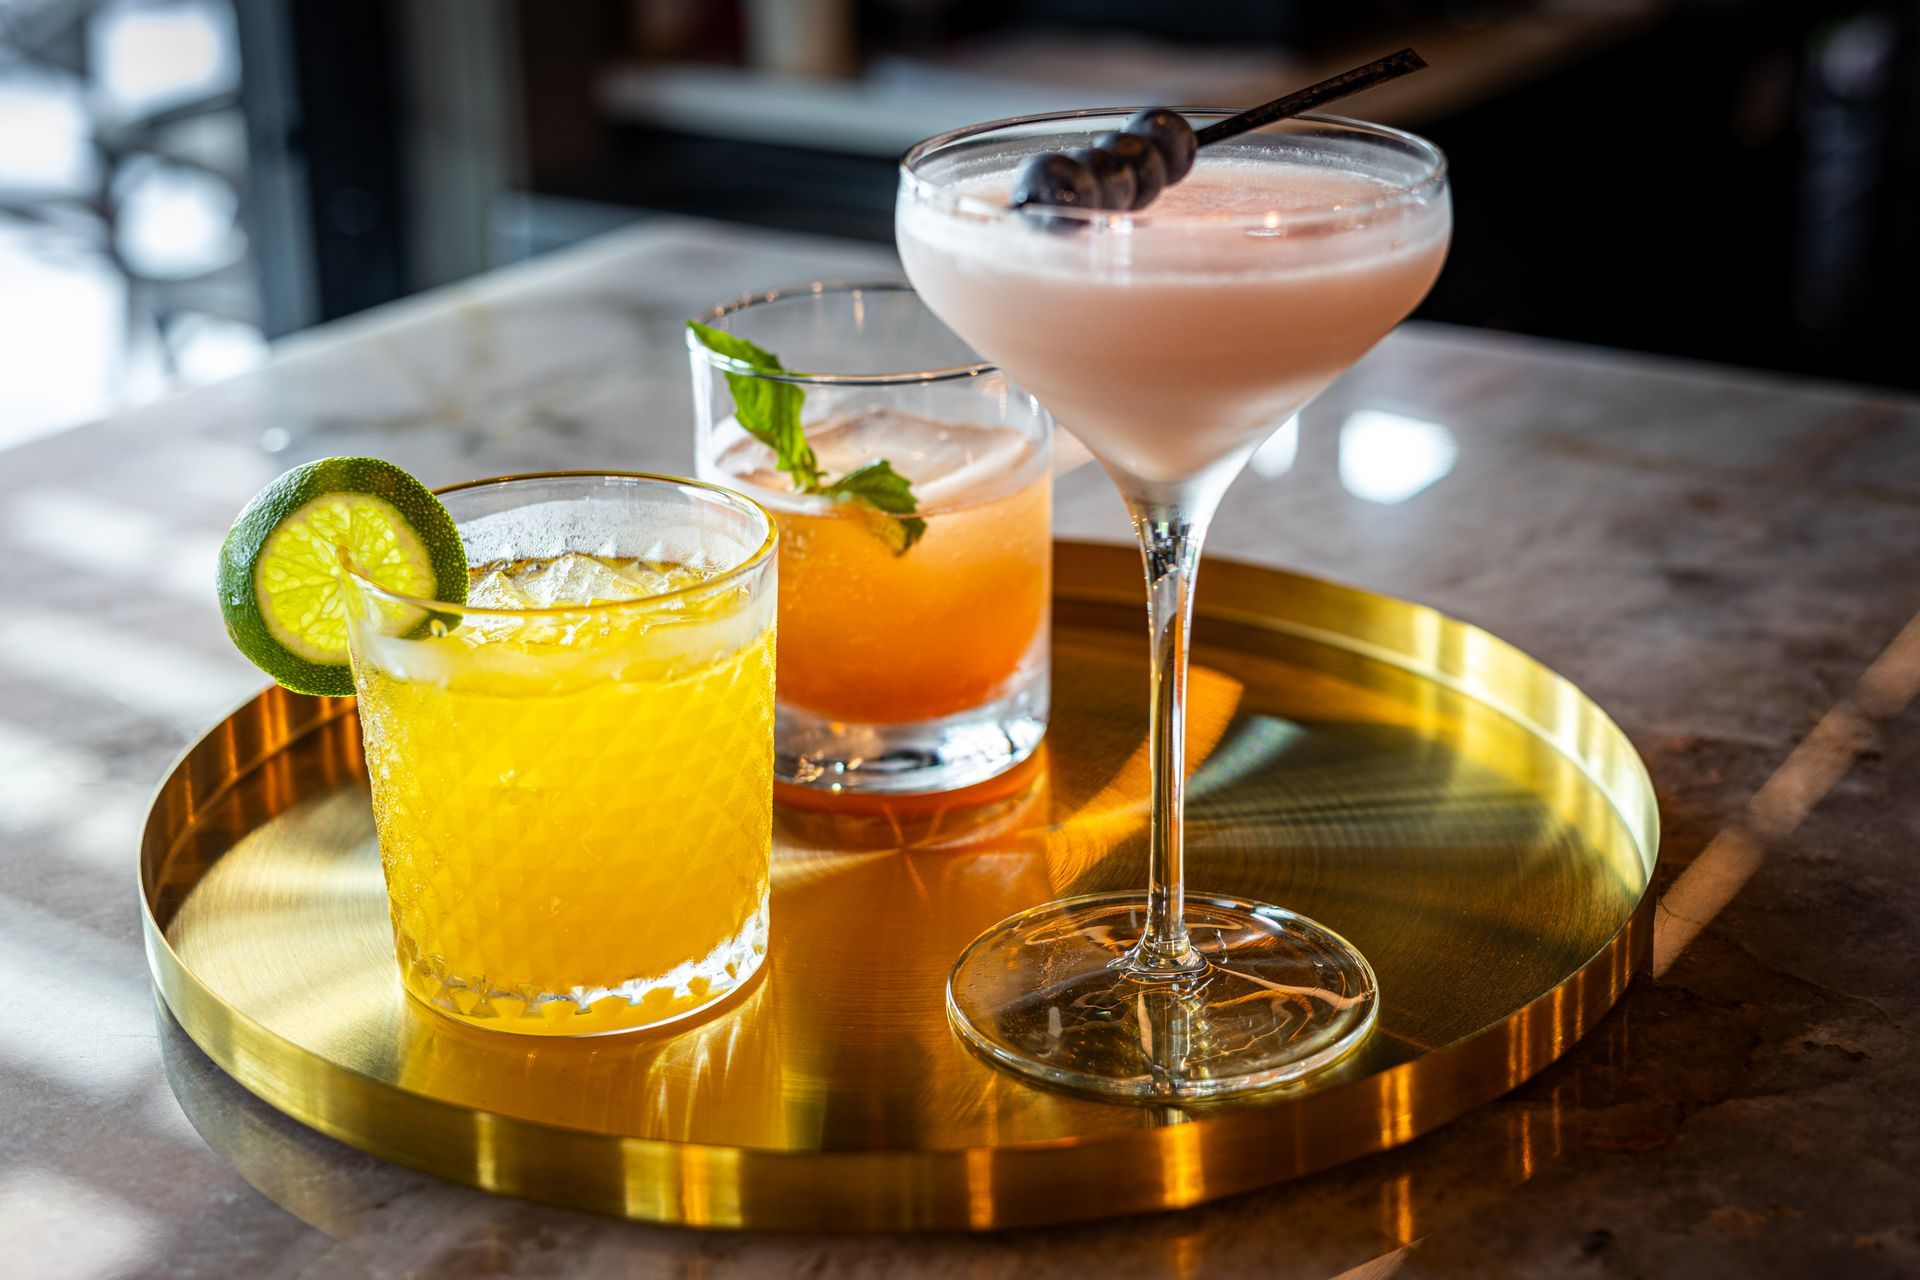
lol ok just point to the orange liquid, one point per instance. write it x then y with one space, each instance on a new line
867 635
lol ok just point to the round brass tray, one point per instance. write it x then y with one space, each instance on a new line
1469 819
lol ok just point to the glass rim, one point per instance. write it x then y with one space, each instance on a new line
729 497
820 288
1433 175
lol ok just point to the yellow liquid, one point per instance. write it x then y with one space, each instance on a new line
575 812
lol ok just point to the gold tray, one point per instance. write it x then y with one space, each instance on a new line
1467 818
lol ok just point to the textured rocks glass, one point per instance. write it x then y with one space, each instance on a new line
572 775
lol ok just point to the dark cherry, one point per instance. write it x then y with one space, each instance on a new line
1112 177
1123 170
1143 159
1057 181
1170 135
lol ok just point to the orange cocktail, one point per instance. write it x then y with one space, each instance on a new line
867 634
913 616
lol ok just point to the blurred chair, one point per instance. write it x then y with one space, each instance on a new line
148 180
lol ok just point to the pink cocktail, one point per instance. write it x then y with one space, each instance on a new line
1171 349
1172 341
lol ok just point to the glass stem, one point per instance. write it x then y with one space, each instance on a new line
1170 534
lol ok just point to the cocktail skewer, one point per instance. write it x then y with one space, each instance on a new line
1126 169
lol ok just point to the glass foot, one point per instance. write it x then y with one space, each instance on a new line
1279 997
919 758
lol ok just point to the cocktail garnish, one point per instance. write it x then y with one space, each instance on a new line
879 486
769 410
280 568
1124 171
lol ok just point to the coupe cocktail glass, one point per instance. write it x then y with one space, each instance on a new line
1172 341
573 772
901 671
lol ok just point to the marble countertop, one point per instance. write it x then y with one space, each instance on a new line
1728 562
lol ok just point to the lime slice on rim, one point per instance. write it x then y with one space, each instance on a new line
281 591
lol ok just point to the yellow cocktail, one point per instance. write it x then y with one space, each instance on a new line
572 773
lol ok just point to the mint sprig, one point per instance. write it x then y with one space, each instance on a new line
769 410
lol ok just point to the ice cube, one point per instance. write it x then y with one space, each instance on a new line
943 461
495 586
568 579
574 579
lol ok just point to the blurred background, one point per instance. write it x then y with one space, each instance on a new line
184 181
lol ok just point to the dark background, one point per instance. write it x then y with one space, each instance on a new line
1734 180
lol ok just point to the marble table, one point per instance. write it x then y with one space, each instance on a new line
1728 562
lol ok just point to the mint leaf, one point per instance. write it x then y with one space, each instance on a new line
735 347
770 412
767 409
879 486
